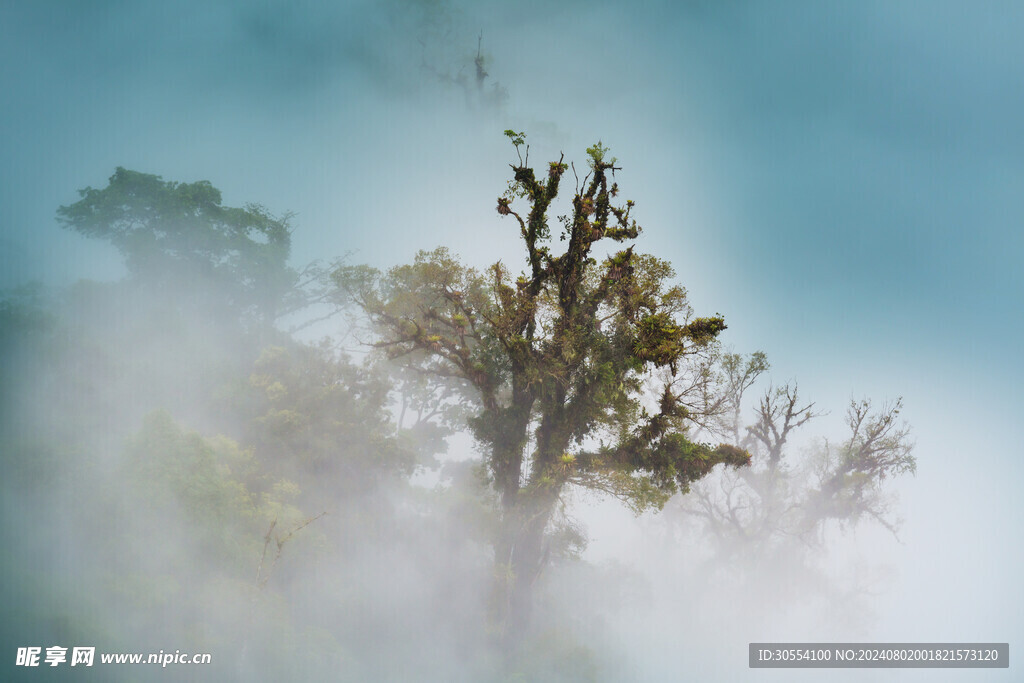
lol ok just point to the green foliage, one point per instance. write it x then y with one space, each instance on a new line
596 153
322 419
216 485
517 139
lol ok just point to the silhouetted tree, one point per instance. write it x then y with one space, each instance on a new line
180 238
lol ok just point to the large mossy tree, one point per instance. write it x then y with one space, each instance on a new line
581 370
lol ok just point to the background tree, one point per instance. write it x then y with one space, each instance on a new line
560 361
785 496
178 237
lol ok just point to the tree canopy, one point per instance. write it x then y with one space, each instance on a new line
172 233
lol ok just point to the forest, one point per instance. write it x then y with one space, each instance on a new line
260 496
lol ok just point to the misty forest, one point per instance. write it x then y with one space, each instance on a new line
530 450
267 485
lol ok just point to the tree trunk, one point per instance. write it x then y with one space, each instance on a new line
520 556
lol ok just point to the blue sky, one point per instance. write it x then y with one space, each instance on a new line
843 181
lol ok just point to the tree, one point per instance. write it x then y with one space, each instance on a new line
178 236
780 496
560 362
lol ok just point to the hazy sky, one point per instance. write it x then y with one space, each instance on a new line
843 181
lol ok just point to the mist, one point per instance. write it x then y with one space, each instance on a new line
190 469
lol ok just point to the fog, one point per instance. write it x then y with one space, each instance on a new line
841 183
